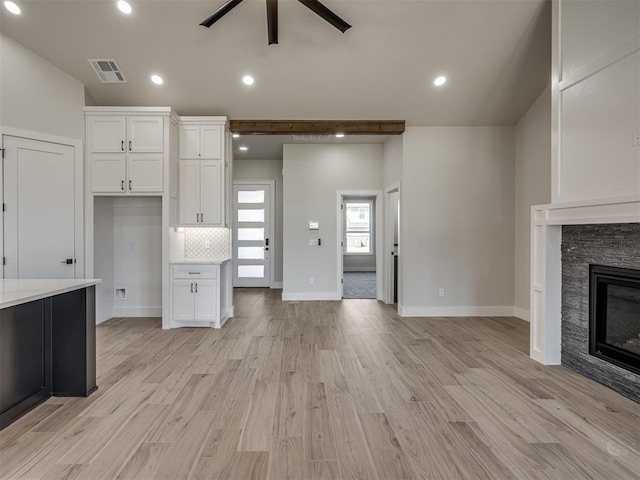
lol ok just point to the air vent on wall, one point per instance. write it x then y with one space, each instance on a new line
107 70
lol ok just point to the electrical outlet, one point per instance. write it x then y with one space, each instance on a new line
636 138
441 292
310 280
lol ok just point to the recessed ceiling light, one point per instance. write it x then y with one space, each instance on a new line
124 7
439 81
244 149
157 79
248 80
339 135
12 7
236 135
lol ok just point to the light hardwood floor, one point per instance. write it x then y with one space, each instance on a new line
323 390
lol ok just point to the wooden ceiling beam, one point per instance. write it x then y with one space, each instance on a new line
318 127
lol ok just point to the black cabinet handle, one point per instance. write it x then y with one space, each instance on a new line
196 288
129 145
192 288
202 217
130 185
122 185
122 145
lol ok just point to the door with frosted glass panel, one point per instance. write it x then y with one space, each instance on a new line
251 239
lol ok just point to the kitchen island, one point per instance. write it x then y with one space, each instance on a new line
47 342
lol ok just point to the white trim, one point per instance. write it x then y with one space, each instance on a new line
310 296
272 224
455 311
521 313
387 270
600 64
359 269
121 311
277 285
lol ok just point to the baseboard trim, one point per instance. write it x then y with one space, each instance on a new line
137 311
522 314
455 311
359 269
277 285
309 296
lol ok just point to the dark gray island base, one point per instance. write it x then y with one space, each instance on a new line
47 348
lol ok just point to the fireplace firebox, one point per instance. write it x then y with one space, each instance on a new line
614 315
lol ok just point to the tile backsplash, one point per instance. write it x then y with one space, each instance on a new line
196 241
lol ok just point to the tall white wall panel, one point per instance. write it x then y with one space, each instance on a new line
599 117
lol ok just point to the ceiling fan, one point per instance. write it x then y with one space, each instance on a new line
272 16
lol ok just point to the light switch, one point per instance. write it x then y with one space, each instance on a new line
314 225
314 242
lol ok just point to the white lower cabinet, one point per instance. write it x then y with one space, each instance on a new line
195 295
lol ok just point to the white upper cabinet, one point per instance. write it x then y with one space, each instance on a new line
107 134
211 141
145 134
202 170
135 134
201 141
126 153
189 141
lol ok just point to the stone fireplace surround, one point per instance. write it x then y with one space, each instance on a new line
616 245
559 321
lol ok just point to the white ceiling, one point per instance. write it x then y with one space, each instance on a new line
269 147
495 53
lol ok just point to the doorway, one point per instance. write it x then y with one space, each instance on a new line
252 239
360 241
392 244
42 217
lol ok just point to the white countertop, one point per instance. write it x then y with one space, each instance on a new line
17 292
206 261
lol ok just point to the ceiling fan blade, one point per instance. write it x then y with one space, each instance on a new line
221 12
327 14
272 21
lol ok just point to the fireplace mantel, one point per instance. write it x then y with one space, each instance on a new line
546 263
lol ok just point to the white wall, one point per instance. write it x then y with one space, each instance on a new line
138 255
392 160
457 221
128 254
532 187
313 174
37 96
266 170
103 256
596 99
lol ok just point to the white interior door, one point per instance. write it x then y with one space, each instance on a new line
39 217
252 243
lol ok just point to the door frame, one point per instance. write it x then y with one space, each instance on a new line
388 262
78 169
377 194
272 222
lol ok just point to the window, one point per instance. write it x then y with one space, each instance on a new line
358 216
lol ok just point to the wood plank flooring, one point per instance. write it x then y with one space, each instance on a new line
326 390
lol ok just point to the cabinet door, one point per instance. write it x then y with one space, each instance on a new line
107 134
189 141
145 134
206 300
211 192
211 141
145 173
189 192
108 173
183 306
